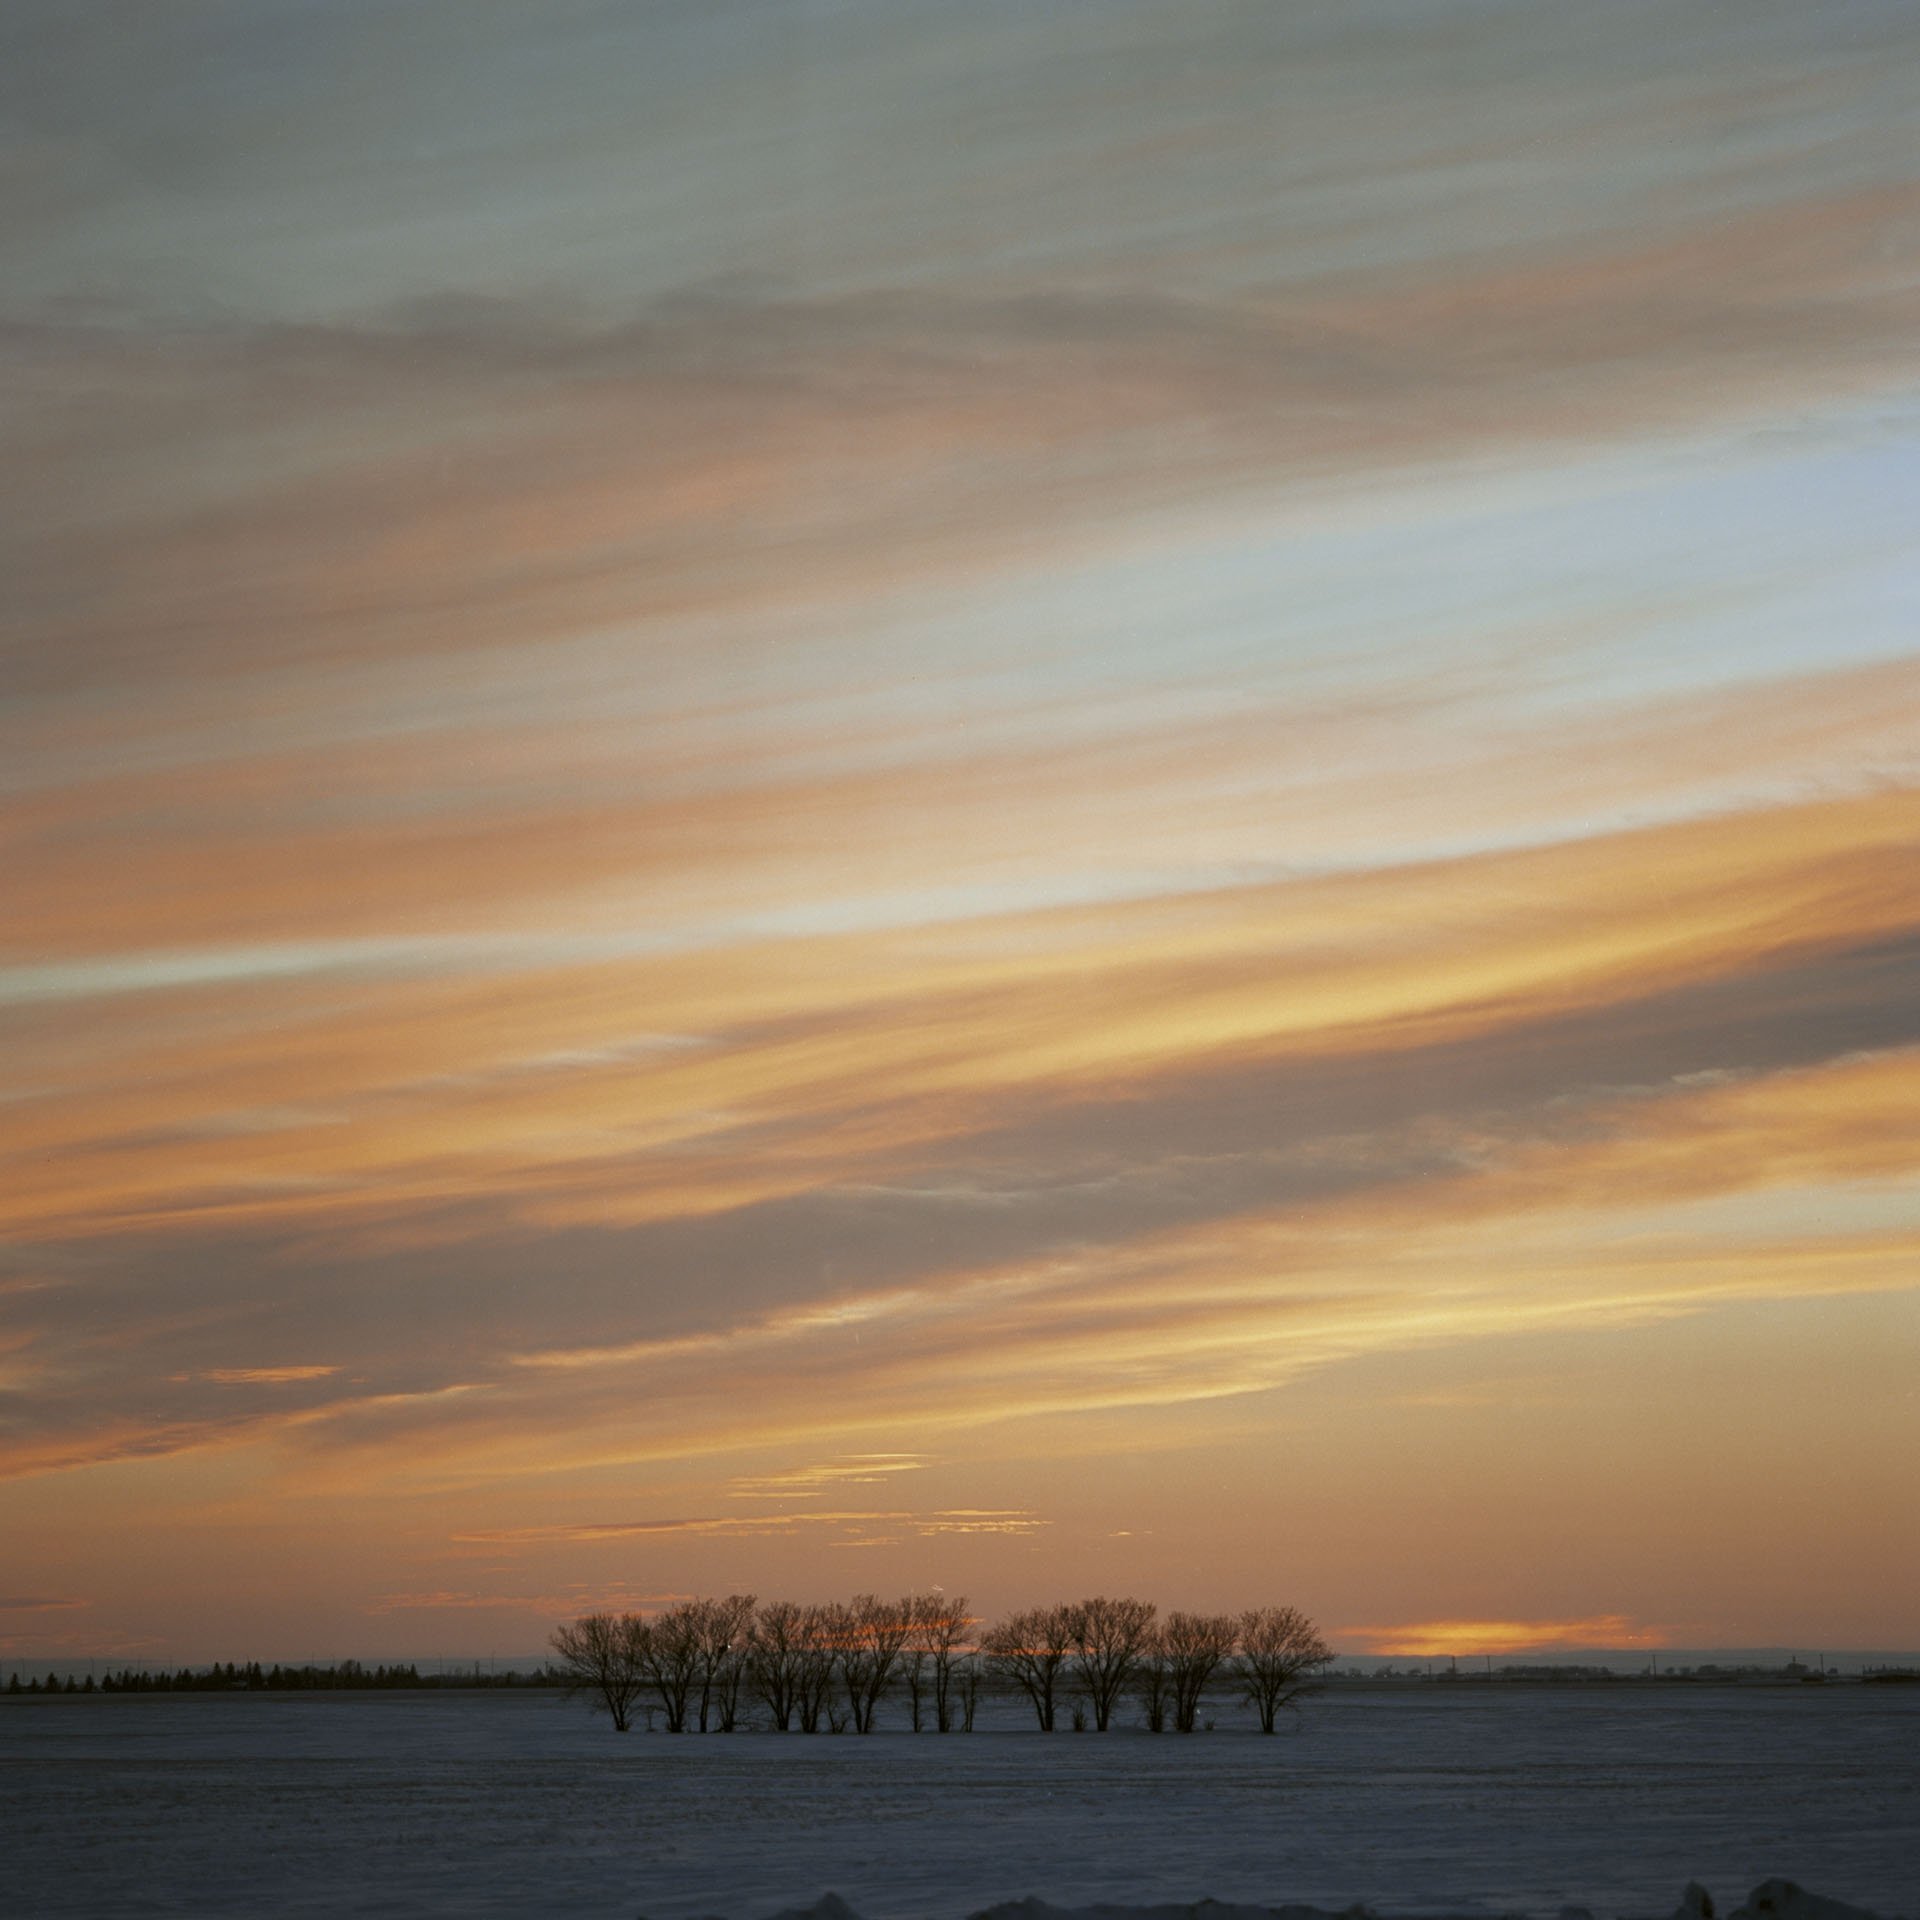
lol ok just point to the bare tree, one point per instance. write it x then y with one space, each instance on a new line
968 1673
813 1666
603 1654
869 1636
672 1659
936 1629
1030 1648
1280 1651
890 1626
841 1623
1109 1637
731 1679
720 1629
915 1658
1151 1682
1195 1644
945 1628
776 1652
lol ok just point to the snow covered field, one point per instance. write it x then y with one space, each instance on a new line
1440 1800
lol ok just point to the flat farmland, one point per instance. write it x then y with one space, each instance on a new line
1435 1800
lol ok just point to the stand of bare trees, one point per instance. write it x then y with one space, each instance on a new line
816 1668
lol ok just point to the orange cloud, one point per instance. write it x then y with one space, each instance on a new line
1462 1227
410 1093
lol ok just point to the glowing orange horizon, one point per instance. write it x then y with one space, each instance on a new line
1441 1639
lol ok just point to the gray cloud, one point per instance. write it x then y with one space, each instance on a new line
1211 246
258 518
286 157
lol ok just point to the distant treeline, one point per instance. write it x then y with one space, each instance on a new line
251 1677
972 1673
717 1664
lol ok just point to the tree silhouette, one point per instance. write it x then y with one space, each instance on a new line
1280 1651
602 1654
945 1627
1109 1637
1194 1645
869 1636
832 1666
673 1657
776 1651
720 1630
1152 1684
1031 1648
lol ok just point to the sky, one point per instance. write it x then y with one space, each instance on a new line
817 795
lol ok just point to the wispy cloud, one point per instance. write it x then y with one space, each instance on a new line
966 1520
265 1376
860 1523
850 1470
734 1524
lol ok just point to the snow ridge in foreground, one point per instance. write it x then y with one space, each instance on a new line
1770 1900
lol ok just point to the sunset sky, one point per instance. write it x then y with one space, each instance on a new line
1118 795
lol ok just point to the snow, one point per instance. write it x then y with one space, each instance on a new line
1772 1900
1428 1802
1782 1900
